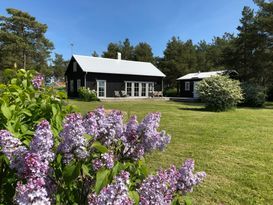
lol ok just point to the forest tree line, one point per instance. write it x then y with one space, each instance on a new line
250 52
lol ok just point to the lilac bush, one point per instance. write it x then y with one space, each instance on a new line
97 159
37 81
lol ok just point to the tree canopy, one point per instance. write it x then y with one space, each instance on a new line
23 41
250 52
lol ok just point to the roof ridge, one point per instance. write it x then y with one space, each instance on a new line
114 59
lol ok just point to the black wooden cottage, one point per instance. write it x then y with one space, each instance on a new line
113 77
187 83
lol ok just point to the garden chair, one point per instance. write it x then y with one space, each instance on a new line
160 94
123 93
117 93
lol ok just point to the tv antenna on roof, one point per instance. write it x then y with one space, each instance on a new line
72 46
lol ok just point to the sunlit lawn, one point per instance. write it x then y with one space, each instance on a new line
235 148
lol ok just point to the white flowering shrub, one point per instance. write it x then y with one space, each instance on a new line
220 93
87 95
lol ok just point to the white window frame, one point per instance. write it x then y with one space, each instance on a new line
104 89
139 88
137 95
146 92
187 86
126 88
74 66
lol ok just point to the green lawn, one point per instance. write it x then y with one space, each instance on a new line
235 148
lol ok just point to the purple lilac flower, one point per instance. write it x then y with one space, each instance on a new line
90 124
42 141
151 138
115 194
73 142
37 81
106 160
33 192
133 148
14 151
187 178
35 167
139 139
107 129
97 164
159 189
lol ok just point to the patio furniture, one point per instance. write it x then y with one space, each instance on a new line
160 94
117 94
123 93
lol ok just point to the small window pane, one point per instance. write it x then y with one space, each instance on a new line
187 86
136 93
129 89
143 89
71 86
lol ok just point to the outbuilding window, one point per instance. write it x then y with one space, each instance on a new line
71 86
187 86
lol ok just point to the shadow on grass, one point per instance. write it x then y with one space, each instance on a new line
199 109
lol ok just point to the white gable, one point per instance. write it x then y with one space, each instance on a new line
201 75
115 66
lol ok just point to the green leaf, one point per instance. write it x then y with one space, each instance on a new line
26 112
101 179
134 195
24 82
100 147
6 111
85 170
59 159
13 81
54 110
87 136
116 169
71 172
187 200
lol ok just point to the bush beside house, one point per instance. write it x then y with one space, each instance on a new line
87 95
220 93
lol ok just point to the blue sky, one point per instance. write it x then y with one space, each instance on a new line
92 24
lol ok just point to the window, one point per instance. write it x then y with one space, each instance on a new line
129 88
71 86
74 66
138 89
187 86
101 88
151 87
136 93
143 89
79 82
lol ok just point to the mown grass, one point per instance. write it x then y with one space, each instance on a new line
235 148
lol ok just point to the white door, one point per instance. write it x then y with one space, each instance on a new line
101 88
195 93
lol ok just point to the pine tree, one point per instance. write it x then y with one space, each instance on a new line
143 52
23 41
